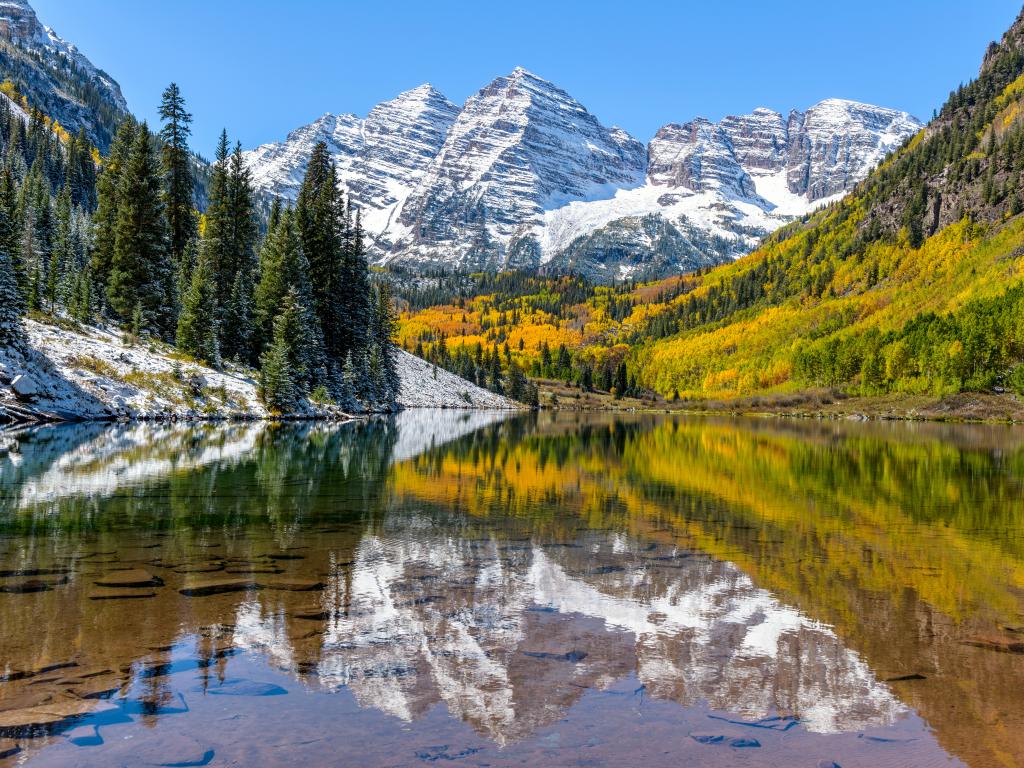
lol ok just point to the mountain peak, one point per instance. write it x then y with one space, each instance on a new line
522 170
20 25
425 92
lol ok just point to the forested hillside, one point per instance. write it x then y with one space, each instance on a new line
117 240
911 284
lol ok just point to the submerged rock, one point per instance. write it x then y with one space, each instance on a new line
293 585
993 643
221 587
573 656
8 748
241 687
26 587
17 722
163 749
120 594
134 578
212 567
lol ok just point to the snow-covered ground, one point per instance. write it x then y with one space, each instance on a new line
427 386
93 373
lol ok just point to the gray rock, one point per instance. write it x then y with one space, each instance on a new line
25 387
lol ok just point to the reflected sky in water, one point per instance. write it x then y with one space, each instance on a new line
492 590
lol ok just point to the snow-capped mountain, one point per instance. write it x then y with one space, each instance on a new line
56 77
519 147
380 159
524 176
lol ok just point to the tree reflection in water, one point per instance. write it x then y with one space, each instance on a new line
518 587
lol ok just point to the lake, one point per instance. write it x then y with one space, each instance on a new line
484 589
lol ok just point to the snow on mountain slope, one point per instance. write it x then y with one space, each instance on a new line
735 181
519 147
524 176
93 373
380 159
56 77
279 168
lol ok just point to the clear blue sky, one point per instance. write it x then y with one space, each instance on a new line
262 67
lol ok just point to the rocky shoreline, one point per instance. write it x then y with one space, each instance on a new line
67 372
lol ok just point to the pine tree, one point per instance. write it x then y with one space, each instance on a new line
281 248
232 232
42 236
277 387
65 266
81 172
382 333
238 335
179 185
141 272
9 228
318 215
197 323
10 302
217 227
518 384
107 188
355 307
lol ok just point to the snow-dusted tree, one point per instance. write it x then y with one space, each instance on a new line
10 303
179 186
141 273
197 323
276 385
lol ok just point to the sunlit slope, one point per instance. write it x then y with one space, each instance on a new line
911 284
848 297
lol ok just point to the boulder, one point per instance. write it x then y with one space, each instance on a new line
25 387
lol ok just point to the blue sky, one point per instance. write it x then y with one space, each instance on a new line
260 68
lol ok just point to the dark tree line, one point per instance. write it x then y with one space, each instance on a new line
120 241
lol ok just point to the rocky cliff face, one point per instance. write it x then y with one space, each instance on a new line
524 176
380 159
56 77
521 146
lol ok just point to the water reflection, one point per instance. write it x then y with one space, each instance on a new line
548 590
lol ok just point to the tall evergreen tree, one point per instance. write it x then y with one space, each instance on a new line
10 299
107 191
277 384
319 211
283 271
179 184
9 228
197 323
232 232
355 307
141 273
384 352
244 228
216 220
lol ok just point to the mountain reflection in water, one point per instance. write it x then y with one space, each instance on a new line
546 590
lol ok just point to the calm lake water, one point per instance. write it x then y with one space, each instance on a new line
473 589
